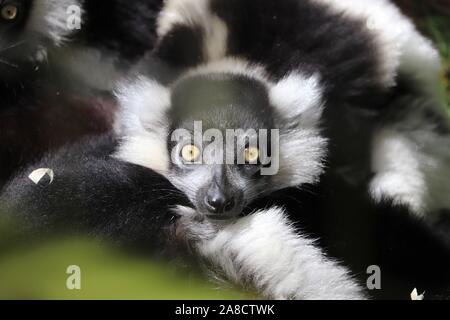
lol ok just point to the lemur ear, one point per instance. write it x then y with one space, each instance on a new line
142 123
298 99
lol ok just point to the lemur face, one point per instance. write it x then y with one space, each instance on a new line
219 142
224 134
29 27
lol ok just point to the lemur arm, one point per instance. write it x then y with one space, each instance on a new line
93 193
265 253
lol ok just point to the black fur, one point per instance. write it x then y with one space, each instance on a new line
15 44
43 109
36 127
187 39
290 35
126 27
192 100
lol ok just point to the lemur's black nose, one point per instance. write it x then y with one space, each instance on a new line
219 203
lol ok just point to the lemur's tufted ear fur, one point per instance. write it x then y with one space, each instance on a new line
298 99
51 18
299 104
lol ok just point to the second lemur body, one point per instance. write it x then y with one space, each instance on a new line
322 73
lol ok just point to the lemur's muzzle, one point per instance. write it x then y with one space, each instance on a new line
221 200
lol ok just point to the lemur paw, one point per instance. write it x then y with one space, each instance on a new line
192 227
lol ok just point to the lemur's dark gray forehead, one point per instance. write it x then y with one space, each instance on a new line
221 101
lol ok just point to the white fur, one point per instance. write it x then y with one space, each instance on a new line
143 124
401 48
302 154
196 13
399 176
298 96
412 161
234 66
49 19
264 252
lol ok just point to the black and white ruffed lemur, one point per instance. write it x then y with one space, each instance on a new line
351 87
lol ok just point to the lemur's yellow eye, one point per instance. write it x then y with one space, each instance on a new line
251 155
190 153
9 12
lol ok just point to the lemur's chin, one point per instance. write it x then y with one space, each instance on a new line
221 218
204 213
217 218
